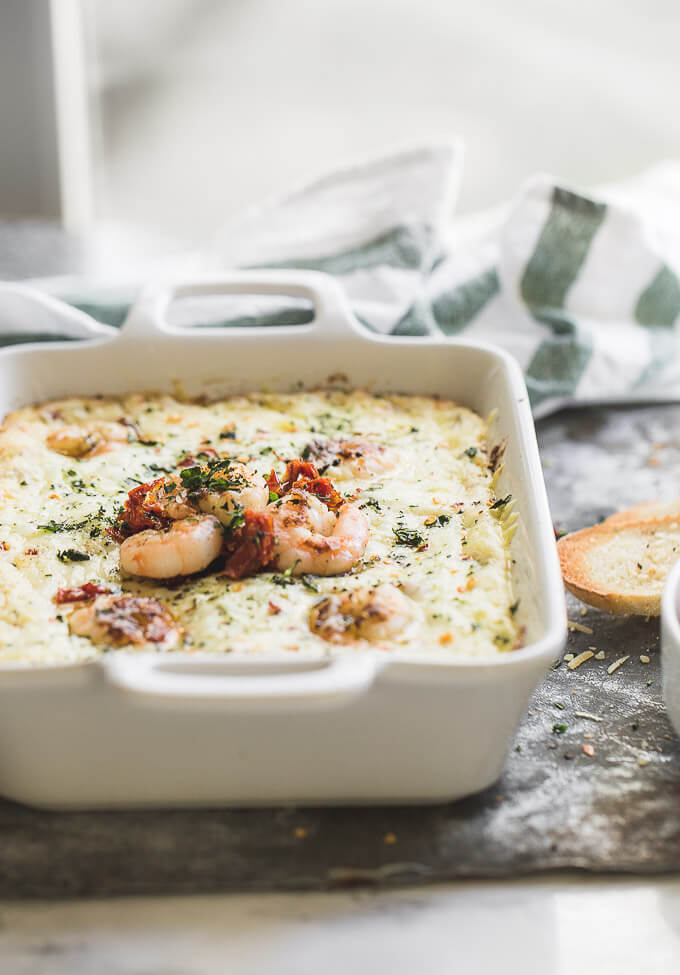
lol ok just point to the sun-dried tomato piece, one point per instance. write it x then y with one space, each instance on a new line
324 490
303 475
142 510
251 547
80 593
295 469
274 484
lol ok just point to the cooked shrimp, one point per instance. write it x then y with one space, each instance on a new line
119 620
87 439
232 489
187 546
376 615
309 538
152 505
173 499
351 458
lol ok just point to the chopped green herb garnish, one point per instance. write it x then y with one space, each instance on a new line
501 502
559 729
72 555
214 475
471 452
406 536
238 519
62 526
308 582
371 503
438 521
273 496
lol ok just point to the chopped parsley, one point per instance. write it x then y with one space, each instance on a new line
407 536
213 476
72 555
438 521
470 452
501 502
238 520
371 503
286 578
559 729
62 526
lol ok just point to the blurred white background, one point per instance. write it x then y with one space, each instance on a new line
173 114
209 105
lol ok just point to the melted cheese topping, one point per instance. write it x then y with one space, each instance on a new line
436 529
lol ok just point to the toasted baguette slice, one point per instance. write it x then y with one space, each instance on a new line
647 511
621 565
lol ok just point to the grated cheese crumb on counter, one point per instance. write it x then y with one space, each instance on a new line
579 627
581 659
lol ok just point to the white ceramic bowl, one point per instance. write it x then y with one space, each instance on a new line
670 645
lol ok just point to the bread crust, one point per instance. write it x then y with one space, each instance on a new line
634 528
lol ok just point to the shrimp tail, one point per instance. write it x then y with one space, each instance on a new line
251 547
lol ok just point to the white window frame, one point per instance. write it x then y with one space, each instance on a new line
46 162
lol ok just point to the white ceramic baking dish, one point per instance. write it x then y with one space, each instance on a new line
138 730
670 645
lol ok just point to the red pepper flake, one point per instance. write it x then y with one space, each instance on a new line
589 751
4 546
273 609
31 551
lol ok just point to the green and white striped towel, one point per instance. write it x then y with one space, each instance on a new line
581 289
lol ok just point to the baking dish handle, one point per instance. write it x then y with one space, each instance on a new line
256 684
333 316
